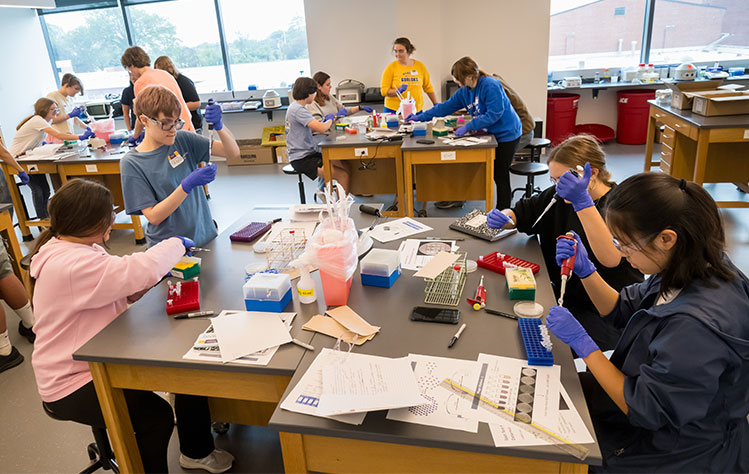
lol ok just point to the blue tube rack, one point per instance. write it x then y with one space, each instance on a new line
531 333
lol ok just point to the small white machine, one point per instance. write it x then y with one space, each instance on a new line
350 91
271 99
572 81
685 72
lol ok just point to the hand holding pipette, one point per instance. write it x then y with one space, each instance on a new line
557 197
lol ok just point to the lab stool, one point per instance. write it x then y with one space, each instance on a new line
529 170
99 452
536 147
288 169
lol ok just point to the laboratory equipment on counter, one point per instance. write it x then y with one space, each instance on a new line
568 264
572 81
500 262
183 297
267 292
305 287
349 91
537 341
556 197
478 301
663 96
381 267
271 99
446 288
100 109
685 72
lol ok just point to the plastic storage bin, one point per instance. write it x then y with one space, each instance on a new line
633 112
267 292
561 114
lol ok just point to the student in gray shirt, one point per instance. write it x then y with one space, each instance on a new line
304 154
325 103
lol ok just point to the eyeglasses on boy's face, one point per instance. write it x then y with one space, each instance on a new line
167 125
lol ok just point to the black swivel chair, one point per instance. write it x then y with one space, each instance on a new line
530 170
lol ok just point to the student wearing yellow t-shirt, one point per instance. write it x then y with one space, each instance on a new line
405 75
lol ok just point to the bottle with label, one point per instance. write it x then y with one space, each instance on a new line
641 69
305 287
597 77
606 75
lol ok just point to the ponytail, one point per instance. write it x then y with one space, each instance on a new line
41 108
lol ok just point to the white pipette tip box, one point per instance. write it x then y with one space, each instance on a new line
380 267
267 292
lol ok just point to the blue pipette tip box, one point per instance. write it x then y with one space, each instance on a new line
273 306
531 333
381 281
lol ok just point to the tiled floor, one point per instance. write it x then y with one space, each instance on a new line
32 442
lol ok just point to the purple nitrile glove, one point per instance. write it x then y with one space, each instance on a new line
565 249
213 115
76 112
87 134
403 88
24 177
134 141
188 243
199 177
564 326
413 118
342 112
366 108
575 190
496 219
461 131
328 117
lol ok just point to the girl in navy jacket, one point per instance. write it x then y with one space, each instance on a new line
674 396
484 98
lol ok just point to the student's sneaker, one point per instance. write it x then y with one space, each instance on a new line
11 360
28 333
448 204
216 462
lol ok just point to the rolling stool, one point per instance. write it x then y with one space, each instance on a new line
99 452
530 170
288 169
536 146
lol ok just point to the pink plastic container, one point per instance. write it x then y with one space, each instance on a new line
103 128
335 289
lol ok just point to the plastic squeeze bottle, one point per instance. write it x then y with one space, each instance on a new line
305 287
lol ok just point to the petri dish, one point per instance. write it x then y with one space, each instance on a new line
471 266
528 309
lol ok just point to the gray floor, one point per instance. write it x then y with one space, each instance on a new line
32 442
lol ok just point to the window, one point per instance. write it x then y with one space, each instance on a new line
79 47
187 32
711 30
583 34
267 42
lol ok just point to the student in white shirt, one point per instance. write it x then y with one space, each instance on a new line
67 115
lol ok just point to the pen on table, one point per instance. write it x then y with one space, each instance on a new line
197 314
277 219
500 313
303 344
199 249
456 336
444 238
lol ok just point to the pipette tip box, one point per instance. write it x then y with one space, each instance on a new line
186 268
182 297
380 267
420 129
267 292
530 330
520 283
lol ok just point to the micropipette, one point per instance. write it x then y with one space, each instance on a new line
568 265
556 196
478 301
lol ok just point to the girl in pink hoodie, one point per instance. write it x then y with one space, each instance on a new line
79 290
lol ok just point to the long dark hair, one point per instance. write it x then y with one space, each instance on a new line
80 208
320 77
645 204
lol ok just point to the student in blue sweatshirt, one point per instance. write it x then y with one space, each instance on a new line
484 98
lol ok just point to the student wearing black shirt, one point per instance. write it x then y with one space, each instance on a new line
128 112
563 217
189 93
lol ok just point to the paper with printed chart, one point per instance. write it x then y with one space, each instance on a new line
444 409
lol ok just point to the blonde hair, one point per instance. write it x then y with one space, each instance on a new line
155 99
41 108
165 64
579 150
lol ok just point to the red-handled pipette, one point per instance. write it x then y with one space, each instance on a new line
479 301
568 264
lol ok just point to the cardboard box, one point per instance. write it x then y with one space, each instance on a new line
682 101
715 103
282 154
252 153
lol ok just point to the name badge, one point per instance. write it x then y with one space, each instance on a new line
175 159
414 72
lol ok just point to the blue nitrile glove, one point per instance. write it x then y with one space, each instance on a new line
366 108
87 134
199 177
496 219
575 190
403 88
213 115
328 117
564 326
76 112
342 112
414 118
24 177
134 141
188 243
583 266
461 131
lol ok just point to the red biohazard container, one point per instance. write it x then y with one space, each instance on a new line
561 113
632 116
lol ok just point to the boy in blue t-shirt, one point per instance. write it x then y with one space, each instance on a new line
161 178
304 154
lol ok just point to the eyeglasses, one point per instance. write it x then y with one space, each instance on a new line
178 124
554 180
639 244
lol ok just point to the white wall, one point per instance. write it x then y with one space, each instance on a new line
27 72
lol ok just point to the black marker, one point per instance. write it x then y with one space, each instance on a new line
500 313
198 314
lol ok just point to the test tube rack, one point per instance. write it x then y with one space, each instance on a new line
183 296
498 262
285 248
537 341
446 289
